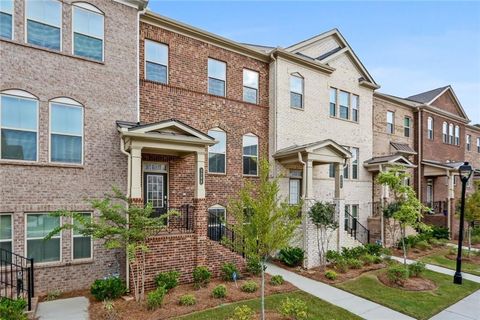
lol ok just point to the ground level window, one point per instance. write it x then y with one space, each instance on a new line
294 187
38 226
82 245
6 232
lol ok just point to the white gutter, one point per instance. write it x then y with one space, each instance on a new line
274 121
139 13
129 173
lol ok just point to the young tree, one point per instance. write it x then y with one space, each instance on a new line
122 225
263 221
323 217
472 213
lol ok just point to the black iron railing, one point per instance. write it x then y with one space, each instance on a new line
218 231
356 229
182 219
377 209
16 277
437 207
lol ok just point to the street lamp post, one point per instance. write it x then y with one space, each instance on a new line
465 171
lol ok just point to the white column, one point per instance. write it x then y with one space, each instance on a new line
136 179
308 194
200 175
339 202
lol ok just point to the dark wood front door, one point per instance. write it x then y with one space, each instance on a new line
155 192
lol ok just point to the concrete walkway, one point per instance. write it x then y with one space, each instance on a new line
356 305
63 309
464 247
465 309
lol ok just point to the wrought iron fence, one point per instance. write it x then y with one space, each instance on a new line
16 277
220 232
356 229
437 207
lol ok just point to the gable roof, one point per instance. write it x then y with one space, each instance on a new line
310 147
402 148
391 160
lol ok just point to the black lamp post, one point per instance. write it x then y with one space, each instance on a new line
465 171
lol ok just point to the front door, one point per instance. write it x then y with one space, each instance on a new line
155 192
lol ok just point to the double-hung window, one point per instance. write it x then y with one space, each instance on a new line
44 23
457 135
406 126
6 19
445 132
82 245
38 226
6 232
430 128
217 77
250 155
88 31
390 122
355 167
18 127
478 145
250 86
346 167
66 133
344 101
294 186
156 61
296 92
331 170
355 106
333 102
450 133
468 138
217 153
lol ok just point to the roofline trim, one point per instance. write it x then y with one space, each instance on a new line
282 53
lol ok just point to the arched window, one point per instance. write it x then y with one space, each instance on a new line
430 128
216 222
445 132
450 133
250 154
217 154
18 125
296 91
66 131
457 135
88 31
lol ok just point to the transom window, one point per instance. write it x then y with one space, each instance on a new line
468 138
39 225
156 61
406 126
6 19
217 153
82 245
445 132
6 232
390 122
430 128
87 31
18 127
250 155
44 23
333 102
296 91
217 77
344 101
250 86
66 132
355 106
457 135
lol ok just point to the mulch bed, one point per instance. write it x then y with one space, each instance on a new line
411 284
415 253
171 308
473 258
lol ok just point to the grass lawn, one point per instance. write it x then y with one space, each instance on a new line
317 309
439 259
420 305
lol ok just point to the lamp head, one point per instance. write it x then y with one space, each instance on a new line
465 171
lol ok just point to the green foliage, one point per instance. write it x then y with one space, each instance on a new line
201 276
423 245
249 286
168 280
373 249
291 256
416 269
243 312
440 232
295 309
323 214
397 273
472 206
108 288
277 280
53 295
354 253
228 269
219 291
254 266
187 300
354 263
333 256
155 298
330 274
341 265
369 259
13 309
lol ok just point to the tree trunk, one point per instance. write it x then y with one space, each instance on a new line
263 288
403 232
469 233
319 247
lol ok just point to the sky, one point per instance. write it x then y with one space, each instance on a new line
408 47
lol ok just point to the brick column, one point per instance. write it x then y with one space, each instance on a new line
339 204
201 223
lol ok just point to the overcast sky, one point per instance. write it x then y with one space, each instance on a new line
408 47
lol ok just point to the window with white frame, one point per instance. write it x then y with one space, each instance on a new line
344 102
450 133
250 86
468 138
6 232
430 128
44 23
296 91
355 106
156 61
88 31
478 145
294 186
217 77
217 153
250 154
18 125
457 135
406 126
6 19
390 122
331 170
346 167
445 132
355 167
333 102
38 226
66 131
82 245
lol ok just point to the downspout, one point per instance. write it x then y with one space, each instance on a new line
274 120
139 13
304 219
129 173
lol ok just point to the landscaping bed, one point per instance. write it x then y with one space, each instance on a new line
447 258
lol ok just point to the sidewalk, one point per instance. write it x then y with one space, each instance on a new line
356 305
63 309
465 309
464 247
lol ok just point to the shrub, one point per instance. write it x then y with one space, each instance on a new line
250 286
277 280
155 298
201 276
440 232
53 295
12 309
416 269
219 291
377 259
227 271
386 252
108 288
374 249
291 256
333 256
341 265
354 263
434 242
168 280
369 259
423 245
187 300
397 273
475 239
292 308
254 266
353 253
330 274
243 313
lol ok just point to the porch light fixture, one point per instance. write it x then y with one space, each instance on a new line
465 171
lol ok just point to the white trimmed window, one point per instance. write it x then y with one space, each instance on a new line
468 138
250 86
390 122
250 155
296 91
406 126
445 132
430 128
82 245
18 125
6 19
6 232
44 23
333 102
217 154
38 226
217 77
346 167
88 31
344 102
457 135
66 131
294 186
355 167
355 106
156 61
478 145
450 133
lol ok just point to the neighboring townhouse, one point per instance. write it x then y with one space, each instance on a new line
472 153
68 69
